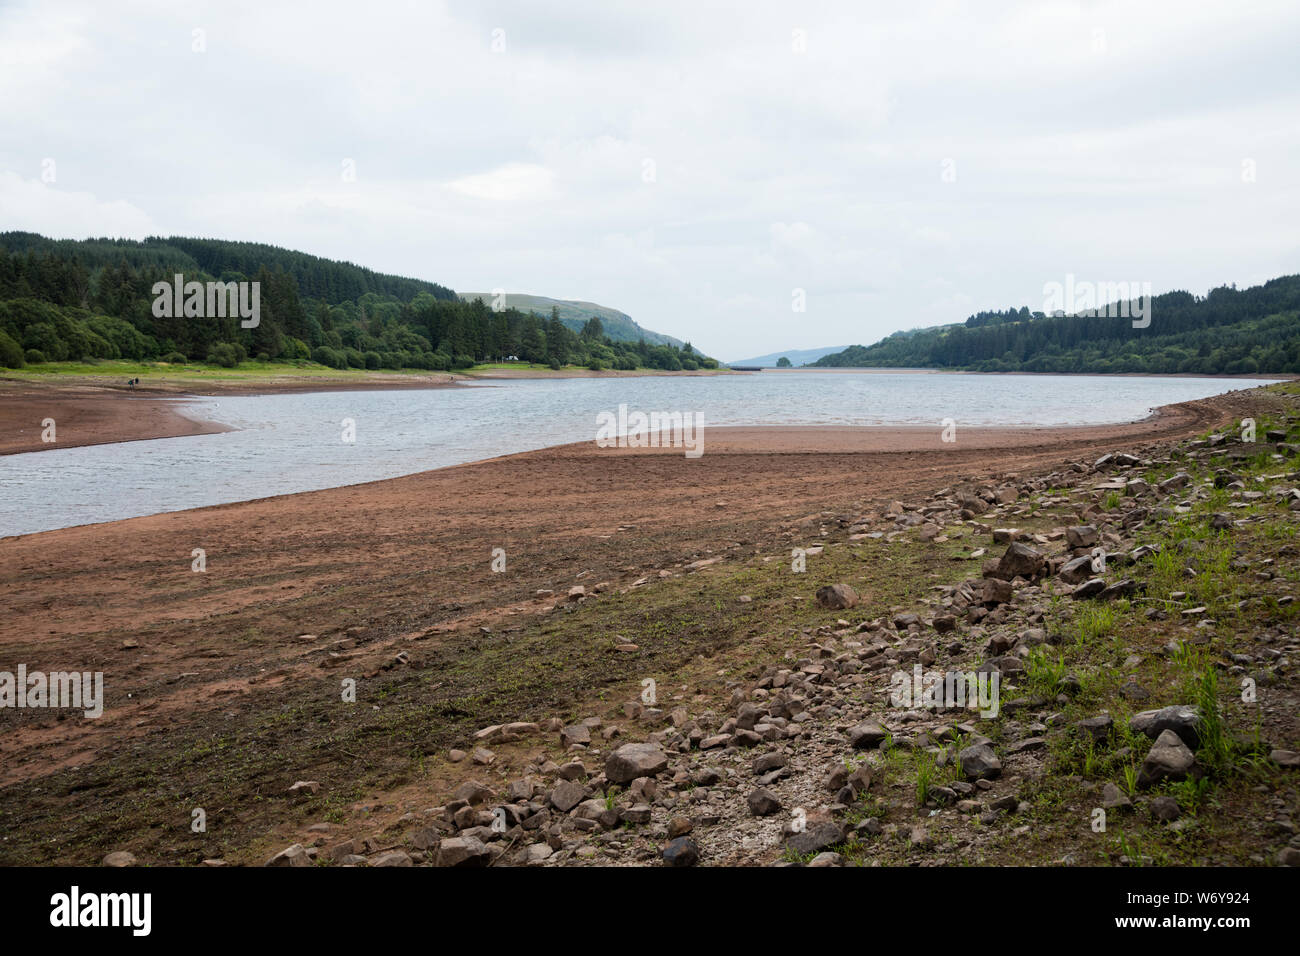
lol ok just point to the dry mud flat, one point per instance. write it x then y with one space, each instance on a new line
223 687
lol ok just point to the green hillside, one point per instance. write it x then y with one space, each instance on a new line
618 325
1229 331
69 300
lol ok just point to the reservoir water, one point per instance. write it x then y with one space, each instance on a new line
286 443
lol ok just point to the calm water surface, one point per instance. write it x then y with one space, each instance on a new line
293 442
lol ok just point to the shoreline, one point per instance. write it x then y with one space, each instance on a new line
90 414
88 410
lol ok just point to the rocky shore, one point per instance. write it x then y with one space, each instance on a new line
1137 612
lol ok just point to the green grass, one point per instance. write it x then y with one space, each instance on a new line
193 371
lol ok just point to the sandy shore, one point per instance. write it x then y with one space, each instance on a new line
87 415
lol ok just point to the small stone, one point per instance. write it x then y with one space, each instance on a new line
763 803
1113 798
681 852
1290 759
815 839
1182 719
295 855
679 826
979 762
1165 809
826 859
1168 759
867 735
837 597
567 795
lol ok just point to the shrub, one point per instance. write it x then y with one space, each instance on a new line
174 358
43 337
223 354
354 358
331 358
373 359
263 357
462 361
34 356
11 353
121 336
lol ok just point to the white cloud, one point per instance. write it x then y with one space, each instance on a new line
515 182
31 205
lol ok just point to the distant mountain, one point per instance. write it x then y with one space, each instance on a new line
618 325
1228 331
797 357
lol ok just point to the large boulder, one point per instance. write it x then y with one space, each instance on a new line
635 760
1082 536
996 591
464 852
1021 561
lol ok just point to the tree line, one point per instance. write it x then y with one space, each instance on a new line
1229 331
92 299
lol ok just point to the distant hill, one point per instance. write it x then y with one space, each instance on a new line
1228 331
618 325
797 357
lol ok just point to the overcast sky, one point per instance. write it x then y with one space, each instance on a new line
905 164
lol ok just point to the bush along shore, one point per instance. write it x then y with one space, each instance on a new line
1134 615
